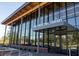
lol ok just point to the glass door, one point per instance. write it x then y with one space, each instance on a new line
63 42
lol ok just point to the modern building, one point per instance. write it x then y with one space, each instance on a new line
50 27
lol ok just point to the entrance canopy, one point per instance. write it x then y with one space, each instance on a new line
53 24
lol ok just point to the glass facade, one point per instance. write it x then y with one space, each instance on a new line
55 39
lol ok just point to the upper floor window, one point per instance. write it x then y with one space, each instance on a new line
77 8
46 14
62 11
77 21
51 11
56 11
71 21
70 10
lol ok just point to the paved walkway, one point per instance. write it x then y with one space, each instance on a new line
27 53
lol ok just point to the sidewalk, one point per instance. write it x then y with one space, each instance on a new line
27 53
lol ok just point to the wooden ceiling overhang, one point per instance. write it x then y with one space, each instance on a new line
25 10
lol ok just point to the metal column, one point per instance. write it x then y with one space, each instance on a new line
20 36
38 33
54 37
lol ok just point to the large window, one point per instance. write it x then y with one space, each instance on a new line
56 11
77 8
31 37
57 40
70 10
64 41
71 21
51 12
41 39
72 38
77 21
62 11
16 33
33 34
19 33
51 38
13 33
23 33
41 16
46 14
45 39
27 32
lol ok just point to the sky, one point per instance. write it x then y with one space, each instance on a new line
7 8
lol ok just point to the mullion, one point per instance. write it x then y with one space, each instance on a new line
44 30
48 29
48 38
59 10
66 28
29 29
35 25
11 34
76 26
60 39
53 10
54 28
42 11
25 32
21 31
14 34
17 33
